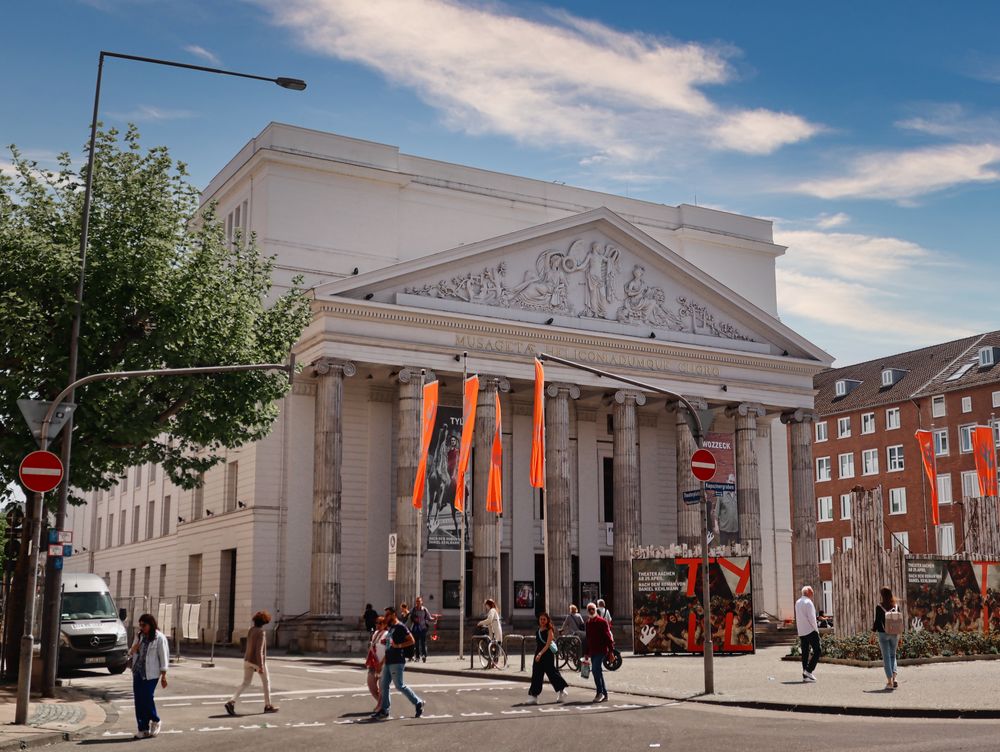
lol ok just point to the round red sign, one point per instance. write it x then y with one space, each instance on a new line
703 464
41 471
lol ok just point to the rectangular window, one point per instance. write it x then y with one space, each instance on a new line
894 457
232 477
825 550
165 524
845 506
966 404
970 484
891 418
111 530
965 438
118 584
825 504
941 442
827 596
946 539
145 581
847 465
822 469
150 519
995 425
152 472
138 476
843 427
897 501
131 582
821 430
97 535
848 543
944 489
996 399
198 498
937 406
869 462
868 423
125 482
608 486
122 527
901 539
163 580
135 525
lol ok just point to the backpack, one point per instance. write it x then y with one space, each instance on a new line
894 622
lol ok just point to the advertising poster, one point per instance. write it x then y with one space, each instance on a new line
950 595
667 608
524 594
443 521
723 511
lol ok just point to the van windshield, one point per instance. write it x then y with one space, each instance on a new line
77 606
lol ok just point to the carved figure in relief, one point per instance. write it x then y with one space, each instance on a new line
646 304
600 265
546 289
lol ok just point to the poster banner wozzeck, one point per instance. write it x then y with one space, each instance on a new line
953 595
723 510
443 520
667 607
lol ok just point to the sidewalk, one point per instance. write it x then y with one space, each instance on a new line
942 690
49 720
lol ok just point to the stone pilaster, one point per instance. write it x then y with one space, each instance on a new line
485 524
626 488
748 490
688 515
558 518
324 580
805 560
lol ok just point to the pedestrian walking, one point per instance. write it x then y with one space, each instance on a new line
150 655
375 661
255 662
397 639
404 613
492 621
370 616
888 626
600 642
575 626
420 625
602 611
545 662
808 629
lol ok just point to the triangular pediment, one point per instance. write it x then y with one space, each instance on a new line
594 271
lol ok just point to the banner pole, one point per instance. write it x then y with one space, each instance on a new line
461 538
420 510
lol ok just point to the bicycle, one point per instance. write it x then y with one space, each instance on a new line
569 647
491 653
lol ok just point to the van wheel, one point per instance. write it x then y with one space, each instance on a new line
117 669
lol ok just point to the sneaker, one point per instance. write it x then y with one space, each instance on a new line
604 698
597 697
230 707
532 700
808 676
561 696
270 708
140 735
420 709
154 728
379 716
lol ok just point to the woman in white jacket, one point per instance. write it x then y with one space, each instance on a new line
150 655
492 621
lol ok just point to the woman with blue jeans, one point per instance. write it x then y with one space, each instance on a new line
888 643
150 655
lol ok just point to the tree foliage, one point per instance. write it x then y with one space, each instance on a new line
164 289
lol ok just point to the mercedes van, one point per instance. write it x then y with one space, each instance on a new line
91 631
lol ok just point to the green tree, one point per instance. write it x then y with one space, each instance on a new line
164 289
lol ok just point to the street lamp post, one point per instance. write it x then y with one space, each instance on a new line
53 576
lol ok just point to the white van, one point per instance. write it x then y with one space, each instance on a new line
91 630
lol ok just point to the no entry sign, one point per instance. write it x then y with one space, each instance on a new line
41 471
703 464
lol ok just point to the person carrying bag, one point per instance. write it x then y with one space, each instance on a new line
887 627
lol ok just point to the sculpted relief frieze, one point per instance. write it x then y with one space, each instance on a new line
591 279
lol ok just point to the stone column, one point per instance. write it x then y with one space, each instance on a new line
626 488
748 490
559 585
324 580
409 537
805 560
485 524
688 515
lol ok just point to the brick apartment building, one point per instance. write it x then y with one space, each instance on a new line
867 415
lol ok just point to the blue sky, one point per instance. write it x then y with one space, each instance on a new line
870 133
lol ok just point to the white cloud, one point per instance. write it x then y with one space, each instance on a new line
908 174
852 255
145 113
829 221
625 96
206 55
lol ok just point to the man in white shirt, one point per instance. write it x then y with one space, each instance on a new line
805 624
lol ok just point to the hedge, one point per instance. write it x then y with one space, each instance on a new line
912 644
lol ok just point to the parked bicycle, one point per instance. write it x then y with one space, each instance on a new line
491 653
570 650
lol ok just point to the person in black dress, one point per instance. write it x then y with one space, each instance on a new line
545 662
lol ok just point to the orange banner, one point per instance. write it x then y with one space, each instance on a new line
986 459
926 442
427 430
471 394
494 486
538 429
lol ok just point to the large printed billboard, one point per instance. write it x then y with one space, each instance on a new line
443 520
667 605
953 595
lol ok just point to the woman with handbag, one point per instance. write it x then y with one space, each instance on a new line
374 661
150 656
888 626
545 662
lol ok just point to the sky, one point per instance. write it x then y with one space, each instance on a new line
869 133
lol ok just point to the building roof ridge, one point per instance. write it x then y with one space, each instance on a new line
951 365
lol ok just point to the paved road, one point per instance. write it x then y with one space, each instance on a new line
326 705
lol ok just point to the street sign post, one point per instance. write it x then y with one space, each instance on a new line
392 557
703 464
692 497
41 471
34 414
720 487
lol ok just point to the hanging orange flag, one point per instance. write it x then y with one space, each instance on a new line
986 459
538 429
471 393
494 486
926 441
427 428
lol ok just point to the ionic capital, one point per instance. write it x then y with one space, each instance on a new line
491 383
744 409
798 416
556 389
412 373
333 366
675 406
630 395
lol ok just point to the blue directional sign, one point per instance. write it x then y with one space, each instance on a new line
692 497
720 487
68 549
57 562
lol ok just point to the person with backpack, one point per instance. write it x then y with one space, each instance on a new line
888 626
420 625
397 639
602 611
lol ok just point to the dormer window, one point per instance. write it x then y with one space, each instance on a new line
891 375
987 356
843 387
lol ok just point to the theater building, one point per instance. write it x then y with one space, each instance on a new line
420 269
868 414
